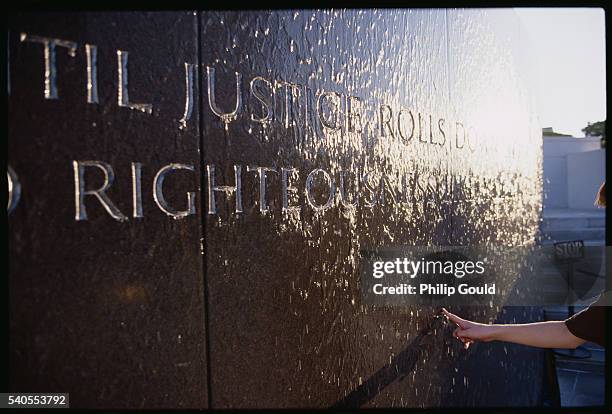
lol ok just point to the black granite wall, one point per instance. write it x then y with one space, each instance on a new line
197 189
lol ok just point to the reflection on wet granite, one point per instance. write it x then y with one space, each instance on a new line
255 157
421 123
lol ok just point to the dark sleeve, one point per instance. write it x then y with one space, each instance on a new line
589 324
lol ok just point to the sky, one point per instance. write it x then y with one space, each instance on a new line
569 46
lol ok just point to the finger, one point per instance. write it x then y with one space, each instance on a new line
452 317
463 339
457 329
462 333
447 314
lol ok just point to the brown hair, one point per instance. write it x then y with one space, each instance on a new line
600 201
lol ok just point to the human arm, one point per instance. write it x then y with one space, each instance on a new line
549 334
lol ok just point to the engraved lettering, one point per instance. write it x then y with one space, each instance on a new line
384 186
285 175
403 135
406 185
308 130
263 99
158 194
343 198
353 112
122 87
431 140
292 90
212 102
441 122
309 186
226 189
189 96
386 122
370 187
421 128
457 126
137 190
50 55
80 192
419 188
91 51
335 98
261 172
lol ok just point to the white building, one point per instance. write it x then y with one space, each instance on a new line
574 169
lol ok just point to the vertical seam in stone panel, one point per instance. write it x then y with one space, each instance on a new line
452 164
204 251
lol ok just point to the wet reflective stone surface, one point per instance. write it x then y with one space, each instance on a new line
307 138
110 311
288 321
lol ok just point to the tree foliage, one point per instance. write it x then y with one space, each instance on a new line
596 129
